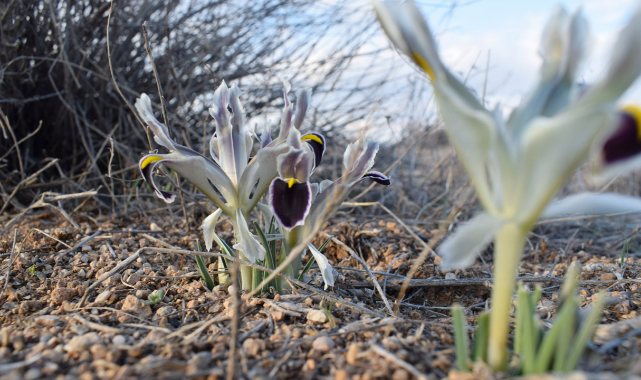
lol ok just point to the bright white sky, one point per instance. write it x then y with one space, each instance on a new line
511 31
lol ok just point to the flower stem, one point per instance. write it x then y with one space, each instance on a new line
245 273
508 248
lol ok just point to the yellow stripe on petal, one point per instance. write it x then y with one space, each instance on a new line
312 137
291 182
149 160
634 111
424 65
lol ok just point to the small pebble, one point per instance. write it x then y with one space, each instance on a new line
450 276
142 294
154 227
86 248
104 296
316 316
341 374
119 340
323 344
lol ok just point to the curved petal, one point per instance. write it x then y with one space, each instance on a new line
209 228
584 204
291 202
147 165
323 265
286 116
407 29
316 141
378 177
247 243
461 249
198 170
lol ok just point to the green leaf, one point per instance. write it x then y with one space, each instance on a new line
460 338
552 339
528 342
585 332
481 337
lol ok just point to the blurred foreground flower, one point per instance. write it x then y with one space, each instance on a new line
518 165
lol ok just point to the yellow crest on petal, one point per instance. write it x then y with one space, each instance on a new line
422 62
149 160
313 138
634 111
291 182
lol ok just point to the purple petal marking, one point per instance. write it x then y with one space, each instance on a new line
624 143
378 177
290 202
147 174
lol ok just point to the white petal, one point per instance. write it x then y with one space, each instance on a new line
323 265
461 249
552 149
584 204
209 228
247 243
625 64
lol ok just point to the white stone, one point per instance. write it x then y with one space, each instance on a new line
316 316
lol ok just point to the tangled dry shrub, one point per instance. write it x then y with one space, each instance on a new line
54 70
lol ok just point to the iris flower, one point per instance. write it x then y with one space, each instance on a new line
518 165
301 206
232 179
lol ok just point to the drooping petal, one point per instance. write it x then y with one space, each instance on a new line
147 165
323 265
622 149
407 29
586 204
460 249
303 99
317 142
201 172
291 201
378 177
247 243
209 228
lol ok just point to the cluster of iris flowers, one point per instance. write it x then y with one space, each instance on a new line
243 168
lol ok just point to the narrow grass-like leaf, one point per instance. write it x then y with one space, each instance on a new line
585 332
202 268
480 338
551 340
460 338
528 348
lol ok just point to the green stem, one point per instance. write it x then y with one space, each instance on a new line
245 273
508 248
292 238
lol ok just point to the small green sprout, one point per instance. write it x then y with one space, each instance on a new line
32 270
328 312
155 297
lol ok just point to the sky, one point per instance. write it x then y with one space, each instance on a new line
510 31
